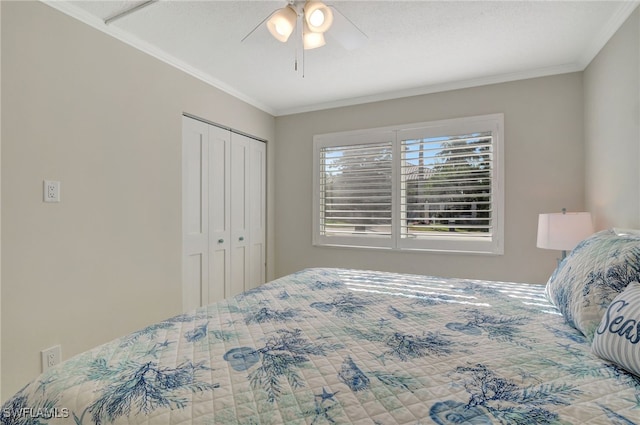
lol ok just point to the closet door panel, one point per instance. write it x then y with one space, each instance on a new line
194 272
195 223
219 213
219 275
239 214
256 173
219 178
238 187
238 272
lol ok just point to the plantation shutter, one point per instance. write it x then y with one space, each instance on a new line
356 190
447 186
435 186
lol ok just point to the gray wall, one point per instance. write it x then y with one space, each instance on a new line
612 129
104 119
544 159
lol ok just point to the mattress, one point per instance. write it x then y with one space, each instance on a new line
337 346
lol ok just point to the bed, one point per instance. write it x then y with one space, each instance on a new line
339 346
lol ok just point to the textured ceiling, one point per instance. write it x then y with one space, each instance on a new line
413 47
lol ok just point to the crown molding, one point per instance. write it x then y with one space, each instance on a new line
625 10
86 18
436 88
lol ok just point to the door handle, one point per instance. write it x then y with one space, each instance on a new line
220 240
241 238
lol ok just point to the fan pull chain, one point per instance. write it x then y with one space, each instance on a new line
300 37
303 63
301 26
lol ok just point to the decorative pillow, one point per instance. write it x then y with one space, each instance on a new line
617 339
598 269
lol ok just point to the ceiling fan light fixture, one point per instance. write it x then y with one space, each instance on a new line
318 16
312 40
282 23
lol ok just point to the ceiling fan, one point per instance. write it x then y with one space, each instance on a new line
312 18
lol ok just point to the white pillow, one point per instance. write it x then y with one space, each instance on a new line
617 338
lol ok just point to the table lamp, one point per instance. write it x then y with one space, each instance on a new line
563 231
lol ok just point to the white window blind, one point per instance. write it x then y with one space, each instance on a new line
447 186
356 190
428 186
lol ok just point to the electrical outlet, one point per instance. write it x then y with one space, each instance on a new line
51 191
51 357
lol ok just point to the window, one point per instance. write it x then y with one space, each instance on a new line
429 186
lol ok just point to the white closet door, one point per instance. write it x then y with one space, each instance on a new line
195 204
248 206
224 207
219 214
239 214
257 214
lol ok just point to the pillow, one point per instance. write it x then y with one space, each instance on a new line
598 269
617 338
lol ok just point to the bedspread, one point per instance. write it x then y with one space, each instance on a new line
337 346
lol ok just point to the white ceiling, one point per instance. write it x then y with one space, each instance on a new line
413 47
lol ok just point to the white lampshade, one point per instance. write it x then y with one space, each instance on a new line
282 23
318 16
311 40
563 231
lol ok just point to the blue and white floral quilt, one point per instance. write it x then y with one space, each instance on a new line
334 346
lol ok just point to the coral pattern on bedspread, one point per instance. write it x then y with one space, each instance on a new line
336 346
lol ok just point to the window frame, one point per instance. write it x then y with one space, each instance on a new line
493 245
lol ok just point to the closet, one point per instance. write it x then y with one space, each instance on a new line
223 213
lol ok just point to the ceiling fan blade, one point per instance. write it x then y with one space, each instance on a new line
129 11
345 32
258 26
